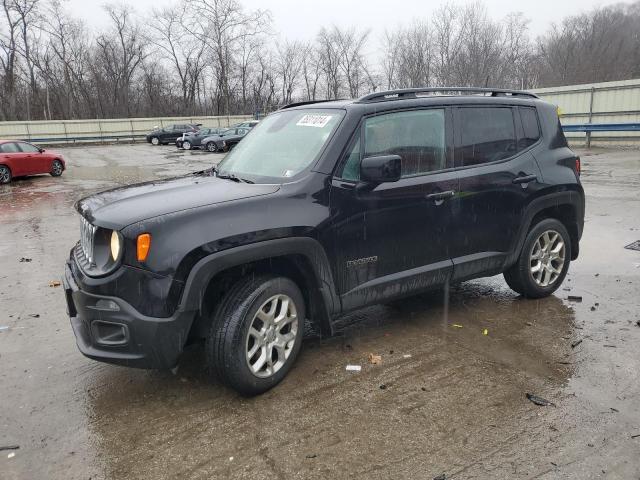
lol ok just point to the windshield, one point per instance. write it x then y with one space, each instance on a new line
282 145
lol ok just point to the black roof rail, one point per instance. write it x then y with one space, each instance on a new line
309 102
407 93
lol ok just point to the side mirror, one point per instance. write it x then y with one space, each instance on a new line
381 169
41 150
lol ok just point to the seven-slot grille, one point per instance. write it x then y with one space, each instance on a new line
87 233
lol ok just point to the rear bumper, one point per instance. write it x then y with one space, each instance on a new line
110 330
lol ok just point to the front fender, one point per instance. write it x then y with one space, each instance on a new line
206 268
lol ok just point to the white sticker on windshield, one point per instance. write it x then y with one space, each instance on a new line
314 121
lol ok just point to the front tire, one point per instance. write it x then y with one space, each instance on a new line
256 333
5 174
211 147
186 145
56 168
155 141
543 262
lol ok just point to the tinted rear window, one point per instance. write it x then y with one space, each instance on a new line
487 134
9 148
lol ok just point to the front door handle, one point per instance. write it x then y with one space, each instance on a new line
525 179
440 197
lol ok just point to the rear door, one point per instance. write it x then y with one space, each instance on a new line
498 175
13 156
393 239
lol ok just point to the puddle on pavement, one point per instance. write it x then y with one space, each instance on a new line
480 380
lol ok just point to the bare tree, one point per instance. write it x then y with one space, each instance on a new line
180 47
289 62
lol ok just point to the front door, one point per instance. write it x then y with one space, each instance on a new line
391 239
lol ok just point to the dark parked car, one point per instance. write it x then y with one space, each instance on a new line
323 209
163 136
225 141
191 140
19 159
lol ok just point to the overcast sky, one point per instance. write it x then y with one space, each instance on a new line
301 19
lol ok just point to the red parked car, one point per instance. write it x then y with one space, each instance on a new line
18 159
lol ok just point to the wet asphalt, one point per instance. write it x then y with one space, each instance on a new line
446 398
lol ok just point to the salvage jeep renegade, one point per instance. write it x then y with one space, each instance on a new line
324 208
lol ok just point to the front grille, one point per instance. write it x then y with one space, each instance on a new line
87 234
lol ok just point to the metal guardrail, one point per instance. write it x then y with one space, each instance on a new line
603 127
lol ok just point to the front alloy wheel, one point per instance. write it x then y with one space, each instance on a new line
271 336
155 141
256 333
186 145
212 147
56 168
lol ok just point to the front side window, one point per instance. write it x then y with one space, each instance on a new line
282 145
418 136
487 134
28 148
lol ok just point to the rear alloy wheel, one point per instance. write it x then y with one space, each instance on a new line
155 141
256 333
212 147
56 168
5 174
543 262
186 145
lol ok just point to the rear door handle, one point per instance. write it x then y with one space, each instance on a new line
525 179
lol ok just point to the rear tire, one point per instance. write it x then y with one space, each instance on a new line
5 174
543 262
56 168
256 333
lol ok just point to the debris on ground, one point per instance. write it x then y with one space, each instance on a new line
313 455
442 476
34 315
614 410
485 331
576 343
406 355
574 298
4 327
354 368
11 455
54 283
635 436
424 389
633 246
456 325
375 359
383 387
25 260
593 308
9 447
543 402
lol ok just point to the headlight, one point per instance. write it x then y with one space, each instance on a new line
116 245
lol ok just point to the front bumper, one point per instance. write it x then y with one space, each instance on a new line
110 330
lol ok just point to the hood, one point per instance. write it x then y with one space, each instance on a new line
123 206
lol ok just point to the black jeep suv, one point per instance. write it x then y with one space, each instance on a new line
322 209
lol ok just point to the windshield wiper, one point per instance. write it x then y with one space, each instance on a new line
232 177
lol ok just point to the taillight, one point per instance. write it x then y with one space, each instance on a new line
578 166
